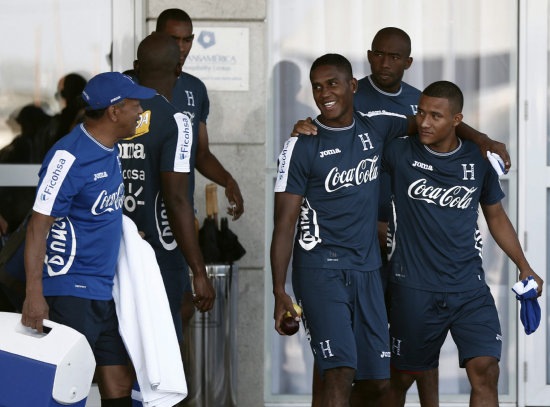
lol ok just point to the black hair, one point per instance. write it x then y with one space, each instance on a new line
175 14
446 90
336 60
95 114
73 85
394 31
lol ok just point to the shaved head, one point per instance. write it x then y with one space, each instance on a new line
158 54
393 32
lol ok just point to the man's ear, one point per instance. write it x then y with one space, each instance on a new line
354 85
112 113
179 68
457 119
136 66
409 62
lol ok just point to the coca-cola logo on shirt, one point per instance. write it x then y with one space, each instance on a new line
365 171
109 202
457 196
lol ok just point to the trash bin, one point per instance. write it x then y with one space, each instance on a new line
210 348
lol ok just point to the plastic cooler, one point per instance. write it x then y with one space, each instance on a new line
50 369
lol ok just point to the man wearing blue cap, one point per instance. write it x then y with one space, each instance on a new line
73 236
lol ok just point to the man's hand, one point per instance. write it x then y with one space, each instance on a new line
528 272
3 225
35 310
233 194
283 303
204 294
497 148
304 127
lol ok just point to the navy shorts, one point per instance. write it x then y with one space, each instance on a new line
97 321
176 283
420 321
345 319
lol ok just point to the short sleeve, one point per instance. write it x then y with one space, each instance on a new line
492 191
294 166
205 104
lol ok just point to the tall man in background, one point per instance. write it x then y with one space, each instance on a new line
190 98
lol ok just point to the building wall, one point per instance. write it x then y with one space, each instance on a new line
237 135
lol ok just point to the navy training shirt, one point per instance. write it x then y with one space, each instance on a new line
336 172
191 98
369 99
438 246
162 143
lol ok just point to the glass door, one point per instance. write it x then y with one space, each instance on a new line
534 202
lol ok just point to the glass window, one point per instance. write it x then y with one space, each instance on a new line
471 43
44 41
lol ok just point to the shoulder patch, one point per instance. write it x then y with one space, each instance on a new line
56 172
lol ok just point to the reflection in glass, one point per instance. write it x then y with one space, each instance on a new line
44 41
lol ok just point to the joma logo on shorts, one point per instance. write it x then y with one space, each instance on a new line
385 355
329 152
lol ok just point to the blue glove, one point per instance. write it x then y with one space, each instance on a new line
526 294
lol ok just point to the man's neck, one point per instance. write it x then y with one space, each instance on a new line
161 85
100 133
336 124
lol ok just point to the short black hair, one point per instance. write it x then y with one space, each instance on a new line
446 90
336 60
394 31
175 14
95 114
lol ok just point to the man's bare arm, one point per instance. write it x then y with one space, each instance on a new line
182 222
35 309
287 209
209 166
504 234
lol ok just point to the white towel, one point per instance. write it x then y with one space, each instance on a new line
145 321
496 162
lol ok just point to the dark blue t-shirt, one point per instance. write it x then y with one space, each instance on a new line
162 143
438 246
336 172
81 186
368 99
190 98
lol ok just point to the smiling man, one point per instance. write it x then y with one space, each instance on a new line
330 182
74 233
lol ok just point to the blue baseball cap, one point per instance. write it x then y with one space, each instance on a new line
108 88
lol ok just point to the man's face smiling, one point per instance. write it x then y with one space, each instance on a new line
182 32
128 116
333 92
